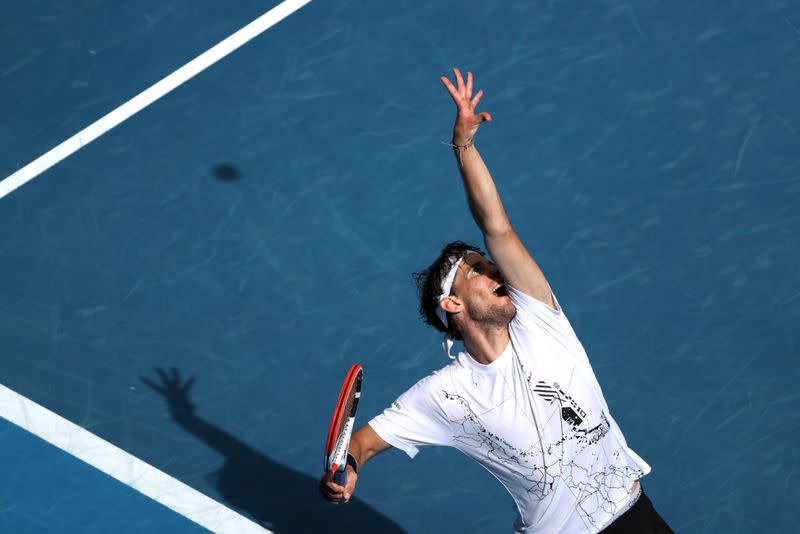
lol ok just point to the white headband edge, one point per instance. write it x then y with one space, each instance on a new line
447 286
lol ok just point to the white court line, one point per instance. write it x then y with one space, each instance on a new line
66 435
123 466
149 95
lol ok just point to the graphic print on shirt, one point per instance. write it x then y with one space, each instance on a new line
553 393
526 463
542 465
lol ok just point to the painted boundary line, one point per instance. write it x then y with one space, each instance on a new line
149 95
123 466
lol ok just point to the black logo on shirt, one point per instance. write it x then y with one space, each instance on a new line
570 411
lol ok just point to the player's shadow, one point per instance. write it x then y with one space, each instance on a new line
276 496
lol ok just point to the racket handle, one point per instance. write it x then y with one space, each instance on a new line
340 476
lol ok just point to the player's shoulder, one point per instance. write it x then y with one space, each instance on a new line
435 382
456 372
431 380
431 384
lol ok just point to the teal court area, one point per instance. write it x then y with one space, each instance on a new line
48 490
192 286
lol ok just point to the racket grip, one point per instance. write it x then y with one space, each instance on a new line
340 476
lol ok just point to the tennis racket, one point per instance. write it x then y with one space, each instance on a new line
344 416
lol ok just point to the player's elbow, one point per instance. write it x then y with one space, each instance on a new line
494 223
498 231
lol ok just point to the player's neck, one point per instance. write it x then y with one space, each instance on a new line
485 345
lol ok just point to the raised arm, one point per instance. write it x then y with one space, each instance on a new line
512 258
364 444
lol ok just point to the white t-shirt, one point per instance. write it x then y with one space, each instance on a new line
535 418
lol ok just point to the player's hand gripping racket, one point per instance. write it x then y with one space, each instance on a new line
341 429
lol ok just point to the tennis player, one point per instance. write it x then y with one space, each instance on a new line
522 399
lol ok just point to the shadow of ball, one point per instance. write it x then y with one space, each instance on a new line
225 172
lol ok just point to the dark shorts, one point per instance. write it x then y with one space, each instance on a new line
641 518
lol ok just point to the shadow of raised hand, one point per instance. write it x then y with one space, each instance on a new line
175 393
281 498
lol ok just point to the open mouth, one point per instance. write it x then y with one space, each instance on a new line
500 291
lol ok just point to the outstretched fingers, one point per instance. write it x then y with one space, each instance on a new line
152 385
188 385
450 89
461 87
466 103
477 99
462 92
162 374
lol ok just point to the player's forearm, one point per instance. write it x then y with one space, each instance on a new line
365 443
484 200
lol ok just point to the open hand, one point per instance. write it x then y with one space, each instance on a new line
174 391
467 121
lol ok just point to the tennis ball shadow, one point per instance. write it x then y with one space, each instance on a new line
226 172
274 495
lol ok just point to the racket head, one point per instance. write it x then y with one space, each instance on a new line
343 420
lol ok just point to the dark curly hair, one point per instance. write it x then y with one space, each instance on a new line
429 284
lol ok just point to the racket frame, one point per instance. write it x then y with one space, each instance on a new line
352 381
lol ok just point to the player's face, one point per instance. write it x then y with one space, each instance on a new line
482 289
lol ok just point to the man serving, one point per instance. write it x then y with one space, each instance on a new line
521 399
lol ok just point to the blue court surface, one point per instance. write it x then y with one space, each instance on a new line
253 233
40 485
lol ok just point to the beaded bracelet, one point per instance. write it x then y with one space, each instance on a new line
460 148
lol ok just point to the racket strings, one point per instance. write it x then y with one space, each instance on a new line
346 414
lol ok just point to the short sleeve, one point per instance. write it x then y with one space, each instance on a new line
417 418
